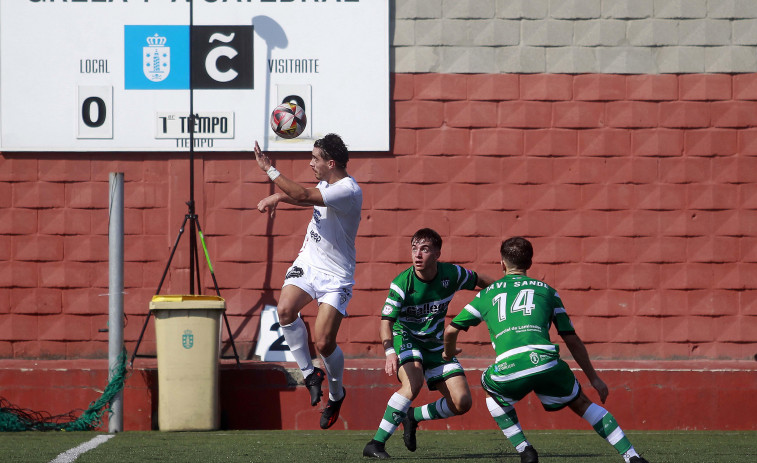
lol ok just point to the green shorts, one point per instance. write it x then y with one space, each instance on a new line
435 369
555 386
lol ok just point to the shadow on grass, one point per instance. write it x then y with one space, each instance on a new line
498 456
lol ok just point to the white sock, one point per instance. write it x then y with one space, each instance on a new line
296 336
334 365
629 454
522 446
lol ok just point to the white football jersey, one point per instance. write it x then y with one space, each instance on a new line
330 239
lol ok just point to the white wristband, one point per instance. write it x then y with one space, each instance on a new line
272 173
389 351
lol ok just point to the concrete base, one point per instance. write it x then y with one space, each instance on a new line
649 395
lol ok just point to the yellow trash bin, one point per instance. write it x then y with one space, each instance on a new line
187 331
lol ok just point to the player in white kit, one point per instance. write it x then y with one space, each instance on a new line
325 267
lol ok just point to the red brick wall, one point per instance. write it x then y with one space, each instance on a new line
638 192
689 395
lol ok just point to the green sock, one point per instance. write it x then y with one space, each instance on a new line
507 420
605 425
433 411
396 411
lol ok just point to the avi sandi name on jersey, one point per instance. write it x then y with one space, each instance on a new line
158 57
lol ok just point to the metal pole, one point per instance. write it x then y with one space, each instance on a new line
116 292
191 203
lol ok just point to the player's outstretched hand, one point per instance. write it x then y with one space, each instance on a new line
263 160
601 388
392 364
446 357
269 203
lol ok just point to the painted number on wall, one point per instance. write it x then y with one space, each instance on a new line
280 343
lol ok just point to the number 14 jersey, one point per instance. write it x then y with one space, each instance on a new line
518 312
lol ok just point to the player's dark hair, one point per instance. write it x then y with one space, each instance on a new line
517 251
333 148
429 235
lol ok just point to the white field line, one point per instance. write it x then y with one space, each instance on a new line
70 455
625 370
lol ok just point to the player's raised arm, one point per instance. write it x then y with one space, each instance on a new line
484 280
294 193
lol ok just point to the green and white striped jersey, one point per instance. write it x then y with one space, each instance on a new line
418 307
518 312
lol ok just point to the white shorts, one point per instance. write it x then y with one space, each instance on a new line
321 286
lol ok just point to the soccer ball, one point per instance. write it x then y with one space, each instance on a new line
288 120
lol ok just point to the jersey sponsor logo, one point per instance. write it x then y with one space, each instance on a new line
422 311
534 358
315 236
294 272
317 217
503 366
445 282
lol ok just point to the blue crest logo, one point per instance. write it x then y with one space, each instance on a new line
156 57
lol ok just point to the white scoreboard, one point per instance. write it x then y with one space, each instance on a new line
115 75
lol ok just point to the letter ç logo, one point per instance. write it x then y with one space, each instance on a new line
222 57
187 339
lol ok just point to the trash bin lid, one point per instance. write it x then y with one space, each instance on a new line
187 301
